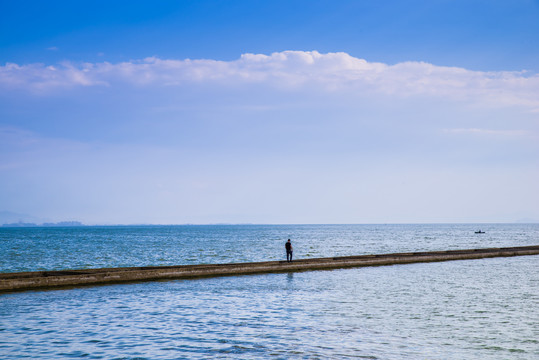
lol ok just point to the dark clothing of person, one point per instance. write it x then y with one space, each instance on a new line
288 247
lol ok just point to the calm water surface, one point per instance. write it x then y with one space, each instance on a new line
31 249
473 309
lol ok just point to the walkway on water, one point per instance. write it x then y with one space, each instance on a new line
71 278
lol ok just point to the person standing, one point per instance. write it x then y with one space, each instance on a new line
289 250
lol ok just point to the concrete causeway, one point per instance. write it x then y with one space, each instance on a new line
10 282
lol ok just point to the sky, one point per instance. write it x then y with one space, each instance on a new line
272 112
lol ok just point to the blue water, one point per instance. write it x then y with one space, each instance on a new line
473 309
31 249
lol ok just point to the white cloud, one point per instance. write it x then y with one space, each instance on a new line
40 78
287 70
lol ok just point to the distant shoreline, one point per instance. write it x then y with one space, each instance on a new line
58 224
79 224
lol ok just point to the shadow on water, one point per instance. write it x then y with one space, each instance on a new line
290 277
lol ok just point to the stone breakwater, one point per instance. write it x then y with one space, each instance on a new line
71 278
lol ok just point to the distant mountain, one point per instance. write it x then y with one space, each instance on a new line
20 224
64 223
58 224
13 217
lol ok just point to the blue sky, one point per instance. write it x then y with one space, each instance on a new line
269 111
478 35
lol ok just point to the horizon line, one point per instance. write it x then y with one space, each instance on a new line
80 224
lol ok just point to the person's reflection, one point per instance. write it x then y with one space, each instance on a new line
290 277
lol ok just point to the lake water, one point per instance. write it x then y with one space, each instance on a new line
473 309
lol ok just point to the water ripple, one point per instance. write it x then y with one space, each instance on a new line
477 309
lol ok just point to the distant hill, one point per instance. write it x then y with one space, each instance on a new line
58 224
64 223
14 217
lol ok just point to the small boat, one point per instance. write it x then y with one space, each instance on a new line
479 232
